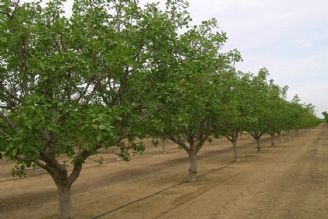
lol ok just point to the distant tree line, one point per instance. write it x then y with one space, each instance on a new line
325 114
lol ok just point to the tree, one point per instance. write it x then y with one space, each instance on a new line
296 115
258 104
274 110
72 85
185 89
234 111
325 114
281 108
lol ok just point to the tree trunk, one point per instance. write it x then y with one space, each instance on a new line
37 170
163 147
258 145
286 135
64 202
193 167
235 150
279 138
272 140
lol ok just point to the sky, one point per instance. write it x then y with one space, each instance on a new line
288 37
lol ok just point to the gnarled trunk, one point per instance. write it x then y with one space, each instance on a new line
192 167
258 145
64 202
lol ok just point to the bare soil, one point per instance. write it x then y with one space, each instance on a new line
284 181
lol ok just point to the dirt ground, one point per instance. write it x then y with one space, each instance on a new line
288 180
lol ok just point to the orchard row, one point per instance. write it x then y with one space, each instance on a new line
114 71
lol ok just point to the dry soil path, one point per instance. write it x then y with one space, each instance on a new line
286 181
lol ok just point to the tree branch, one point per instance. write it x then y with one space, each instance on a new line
8 121
179 142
